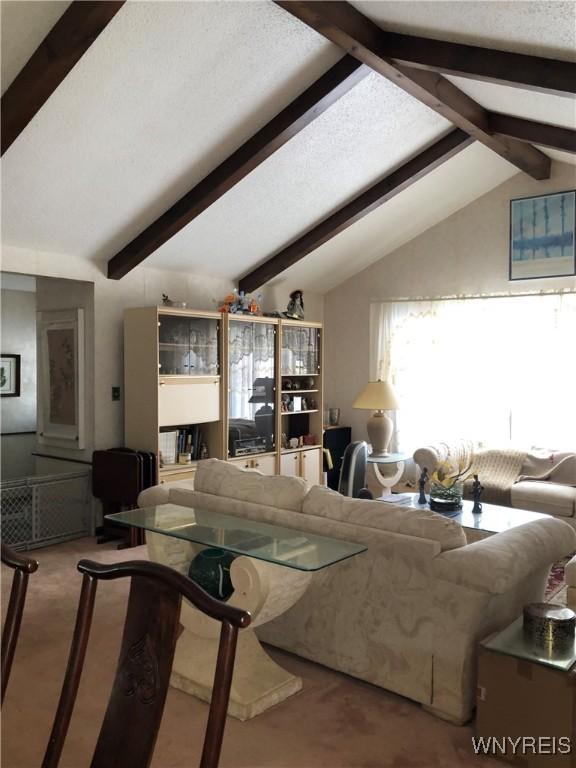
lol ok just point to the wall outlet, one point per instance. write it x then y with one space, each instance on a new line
115 393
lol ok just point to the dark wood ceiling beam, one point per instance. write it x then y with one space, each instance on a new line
61 49
517 69
372 198
315 100
343 25
536 133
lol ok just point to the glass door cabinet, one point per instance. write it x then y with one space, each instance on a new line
251 388
187 346
300 351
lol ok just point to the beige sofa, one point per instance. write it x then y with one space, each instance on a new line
407 614
541 481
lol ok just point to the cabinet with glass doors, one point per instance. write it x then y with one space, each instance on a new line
301 400
251 372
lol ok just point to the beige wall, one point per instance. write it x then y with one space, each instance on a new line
466 254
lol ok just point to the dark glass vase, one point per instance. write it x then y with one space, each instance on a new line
444 499
210 569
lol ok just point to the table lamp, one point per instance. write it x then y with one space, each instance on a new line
379 397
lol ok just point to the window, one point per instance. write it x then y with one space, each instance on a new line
491 370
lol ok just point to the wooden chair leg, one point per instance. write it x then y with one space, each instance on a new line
12 624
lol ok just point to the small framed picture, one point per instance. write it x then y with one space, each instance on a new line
297 403
542 235
10 375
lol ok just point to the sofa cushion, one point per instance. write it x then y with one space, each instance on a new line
542 496
224 479
395 518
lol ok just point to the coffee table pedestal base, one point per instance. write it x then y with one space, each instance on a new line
265 589
258 682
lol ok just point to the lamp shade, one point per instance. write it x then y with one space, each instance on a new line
377 396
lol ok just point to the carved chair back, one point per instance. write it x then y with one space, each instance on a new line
135 707
23 567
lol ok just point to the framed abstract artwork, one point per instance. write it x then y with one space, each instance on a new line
61 378
542 235
10 375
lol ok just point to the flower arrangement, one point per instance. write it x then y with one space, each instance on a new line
447 485
447 476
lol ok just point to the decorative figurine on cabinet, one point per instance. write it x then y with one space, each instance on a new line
295 308
226 305
421 485
477 489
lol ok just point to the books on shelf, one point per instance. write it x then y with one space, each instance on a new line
186 439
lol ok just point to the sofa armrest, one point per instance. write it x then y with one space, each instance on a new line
456 454
496 564
156 494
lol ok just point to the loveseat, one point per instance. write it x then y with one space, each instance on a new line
539 481
408 613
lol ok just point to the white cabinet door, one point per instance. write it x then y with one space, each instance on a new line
245 463
265 464
290 464
183 402
310 466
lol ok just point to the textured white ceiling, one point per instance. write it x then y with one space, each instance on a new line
524 26
166 92
360 139
542 107
562 157
24 26
170 89
471 173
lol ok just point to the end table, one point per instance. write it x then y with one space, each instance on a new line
525 695
381 484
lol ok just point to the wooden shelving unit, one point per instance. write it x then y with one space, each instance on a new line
164 390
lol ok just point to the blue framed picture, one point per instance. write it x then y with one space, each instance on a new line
542 235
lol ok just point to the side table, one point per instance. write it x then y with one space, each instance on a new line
381 484
524 695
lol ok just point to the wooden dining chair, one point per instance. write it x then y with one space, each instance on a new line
23 567
128 733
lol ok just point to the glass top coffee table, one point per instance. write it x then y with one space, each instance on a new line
492 519
240 536
271 571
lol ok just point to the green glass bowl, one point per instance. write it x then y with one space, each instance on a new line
210 569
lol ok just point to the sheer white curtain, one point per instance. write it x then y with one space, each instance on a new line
494 370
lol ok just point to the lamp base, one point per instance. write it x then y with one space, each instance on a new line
380 428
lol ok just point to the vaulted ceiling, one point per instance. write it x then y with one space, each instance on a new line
167 91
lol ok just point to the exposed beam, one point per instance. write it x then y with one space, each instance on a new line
362 205
533 73
346 27
301 112
536 133
61 49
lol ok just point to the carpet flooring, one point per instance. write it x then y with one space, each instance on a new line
334 721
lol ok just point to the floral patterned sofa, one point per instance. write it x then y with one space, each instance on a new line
539 481
407 614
